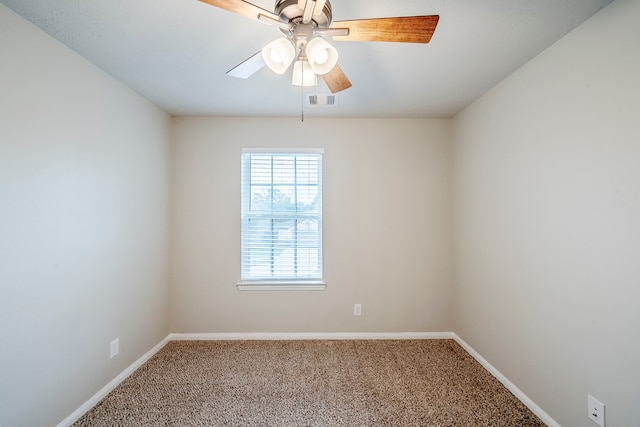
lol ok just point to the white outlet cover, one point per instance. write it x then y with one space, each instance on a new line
357 309
114 348
596 410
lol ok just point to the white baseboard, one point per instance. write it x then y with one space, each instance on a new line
508 384
309 336
75 415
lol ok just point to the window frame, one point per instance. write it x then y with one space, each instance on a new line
296 284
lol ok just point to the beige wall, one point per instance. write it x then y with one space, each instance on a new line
547 222
386 227
83 226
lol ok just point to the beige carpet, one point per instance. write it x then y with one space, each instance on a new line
311 383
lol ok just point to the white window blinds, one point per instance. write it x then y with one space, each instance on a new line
281 215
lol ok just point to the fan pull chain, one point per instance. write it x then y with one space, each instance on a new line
302 103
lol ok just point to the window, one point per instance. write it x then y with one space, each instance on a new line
281 243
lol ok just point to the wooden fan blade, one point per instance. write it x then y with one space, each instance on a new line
241 7
248 67
405 29
336 80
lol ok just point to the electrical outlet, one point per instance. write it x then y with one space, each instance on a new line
596 410
114 348
357 309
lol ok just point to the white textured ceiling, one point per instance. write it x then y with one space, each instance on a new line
176 52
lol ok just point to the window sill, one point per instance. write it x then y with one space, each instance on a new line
301 285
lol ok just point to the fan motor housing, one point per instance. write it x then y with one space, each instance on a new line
288 10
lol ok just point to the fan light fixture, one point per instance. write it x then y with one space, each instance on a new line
278 55
303 74
322 56
304 22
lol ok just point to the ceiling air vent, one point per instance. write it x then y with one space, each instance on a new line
323 100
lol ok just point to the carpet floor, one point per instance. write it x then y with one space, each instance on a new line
311 383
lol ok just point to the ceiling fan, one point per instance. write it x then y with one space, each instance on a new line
305 24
